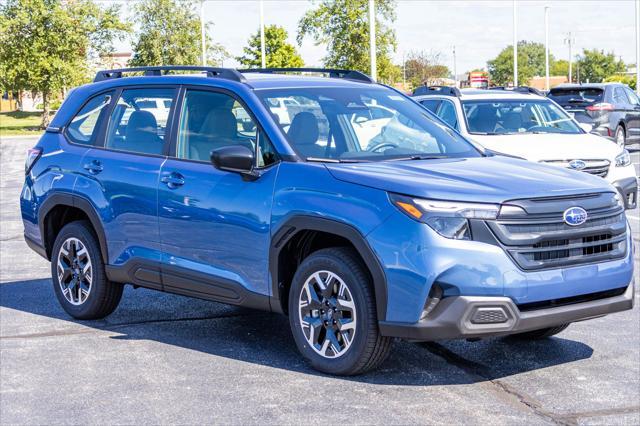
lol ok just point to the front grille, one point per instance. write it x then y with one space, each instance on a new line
594 167
543 240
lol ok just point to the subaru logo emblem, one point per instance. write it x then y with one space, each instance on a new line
575 216
577 164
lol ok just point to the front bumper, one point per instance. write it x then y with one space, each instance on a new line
477 316
628 189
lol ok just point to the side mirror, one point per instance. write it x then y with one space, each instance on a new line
235 158
586 127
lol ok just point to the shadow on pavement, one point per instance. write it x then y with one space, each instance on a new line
265 339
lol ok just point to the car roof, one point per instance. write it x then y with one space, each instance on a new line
251 80
482 94
283 81
587 85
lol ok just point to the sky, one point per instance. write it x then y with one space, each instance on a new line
478 29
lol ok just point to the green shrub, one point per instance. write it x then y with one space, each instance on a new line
625 79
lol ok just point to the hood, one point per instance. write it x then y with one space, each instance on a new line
483 179
551 146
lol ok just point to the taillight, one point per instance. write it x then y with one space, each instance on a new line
603 106
32 156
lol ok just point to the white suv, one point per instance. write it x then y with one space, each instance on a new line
523 124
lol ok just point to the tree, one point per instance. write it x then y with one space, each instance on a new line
279 53
559 67
344 26
596 65
169 34
425 68
531 62
45 45
624 79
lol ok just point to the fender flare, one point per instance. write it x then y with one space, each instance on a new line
81 203
294 224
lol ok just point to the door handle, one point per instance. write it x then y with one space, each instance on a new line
174 180
94 167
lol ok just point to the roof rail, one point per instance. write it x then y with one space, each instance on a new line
436 90
519 89
226 73
333 72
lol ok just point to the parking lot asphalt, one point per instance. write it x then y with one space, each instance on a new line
162 358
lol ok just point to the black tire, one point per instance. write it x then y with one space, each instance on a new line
368 349
103 295
542 333
620 135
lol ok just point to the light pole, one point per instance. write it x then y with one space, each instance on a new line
404 72
546 46
569 40
455 68
638 47
372 39
202 34
515 45
263 53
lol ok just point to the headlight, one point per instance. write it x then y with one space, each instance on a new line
623 159
447 218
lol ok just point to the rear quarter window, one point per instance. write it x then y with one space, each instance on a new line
84 125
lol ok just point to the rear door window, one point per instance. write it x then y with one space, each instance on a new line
139 120
633 98
84 125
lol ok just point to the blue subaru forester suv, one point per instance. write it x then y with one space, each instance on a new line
337 201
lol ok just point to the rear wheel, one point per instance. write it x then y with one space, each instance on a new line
79 279
543 333
332 314
620 136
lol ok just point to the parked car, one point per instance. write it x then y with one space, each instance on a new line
356 245
613 109
524 124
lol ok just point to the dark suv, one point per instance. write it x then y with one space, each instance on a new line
613 109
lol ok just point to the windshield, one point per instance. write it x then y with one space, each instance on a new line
360 124
501 117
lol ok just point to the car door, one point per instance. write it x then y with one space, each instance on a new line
124 171
633 131
215 225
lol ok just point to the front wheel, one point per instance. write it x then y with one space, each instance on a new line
79 279
332 314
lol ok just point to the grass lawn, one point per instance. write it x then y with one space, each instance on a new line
20 123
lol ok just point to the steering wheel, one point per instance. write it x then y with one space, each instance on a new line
381 145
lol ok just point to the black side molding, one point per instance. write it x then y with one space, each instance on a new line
71 200
177 280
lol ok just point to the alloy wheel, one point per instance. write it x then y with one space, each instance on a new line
327 314
620 137
75 271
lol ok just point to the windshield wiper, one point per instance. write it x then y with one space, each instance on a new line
418 157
